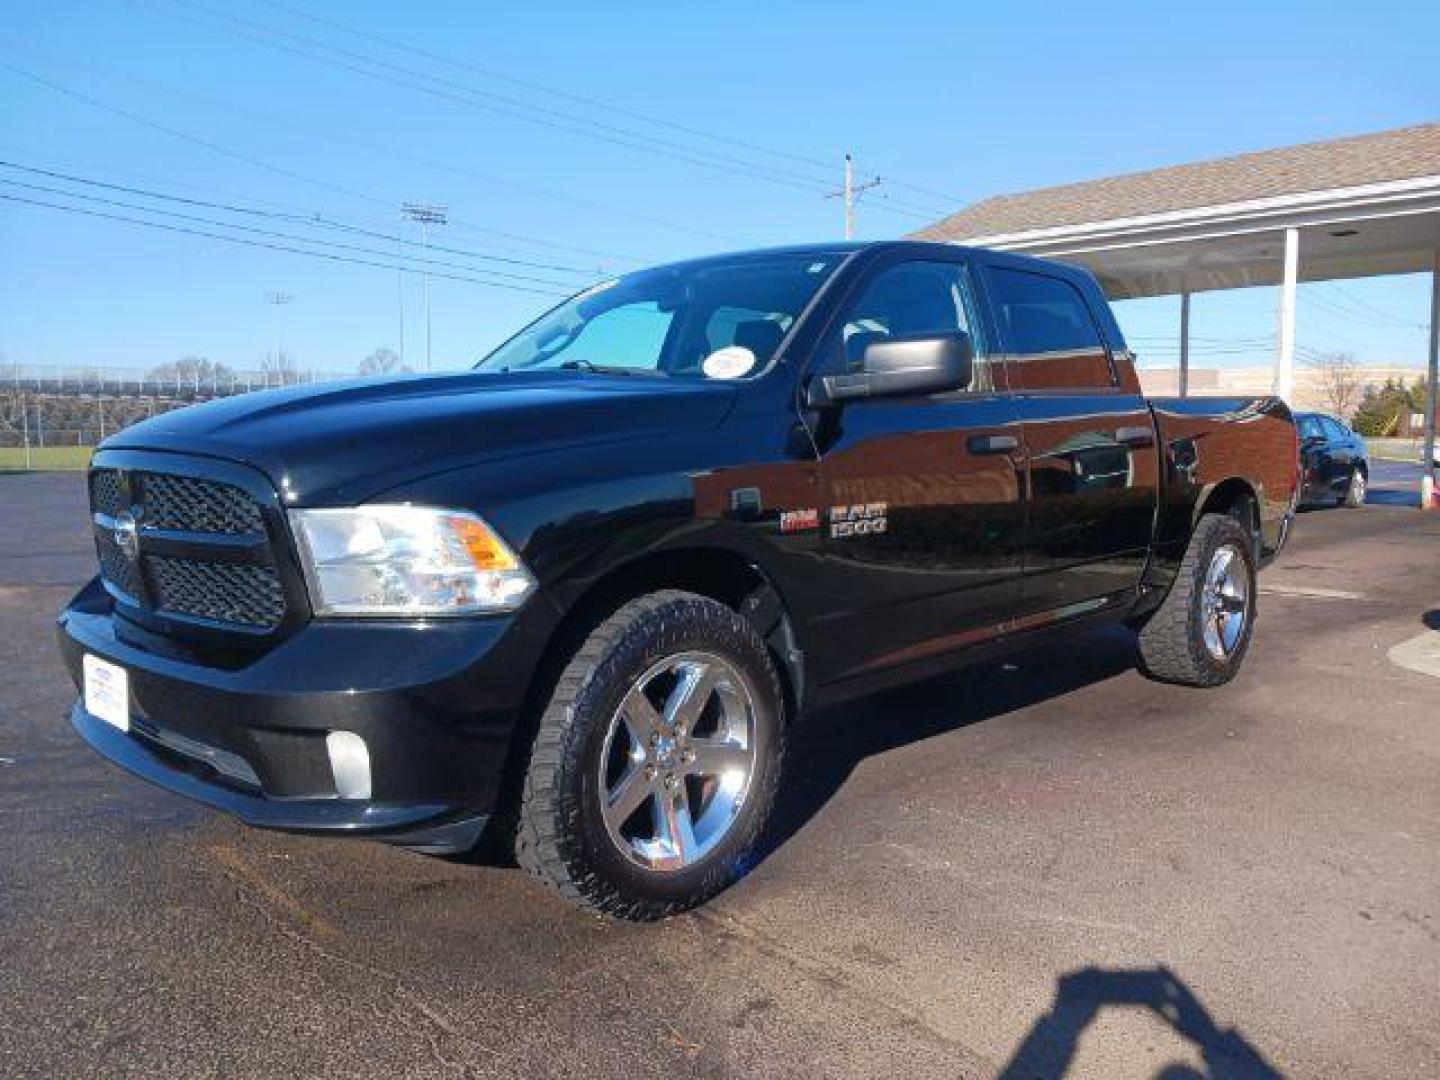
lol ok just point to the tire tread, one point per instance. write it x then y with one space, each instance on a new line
1171 647
545 837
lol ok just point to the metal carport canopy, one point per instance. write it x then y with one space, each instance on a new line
1357 207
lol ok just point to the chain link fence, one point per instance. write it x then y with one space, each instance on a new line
51 407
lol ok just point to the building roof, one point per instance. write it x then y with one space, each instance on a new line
1401 154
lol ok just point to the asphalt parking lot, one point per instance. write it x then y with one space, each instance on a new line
1039 868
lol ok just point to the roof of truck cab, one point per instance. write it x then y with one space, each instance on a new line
917 247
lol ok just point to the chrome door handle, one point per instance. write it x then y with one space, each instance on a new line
1135 436
992 444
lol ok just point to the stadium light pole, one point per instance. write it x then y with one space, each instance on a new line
279 300
426 214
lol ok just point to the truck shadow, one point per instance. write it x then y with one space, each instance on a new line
1048 1050
825 748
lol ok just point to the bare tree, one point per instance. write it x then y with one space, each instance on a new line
381 362
1339 380
192 371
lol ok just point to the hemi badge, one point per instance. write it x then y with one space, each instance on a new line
799 520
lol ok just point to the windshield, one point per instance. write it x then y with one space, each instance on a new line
719 319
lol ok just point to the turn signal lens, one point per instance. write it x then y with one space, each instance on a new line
487 551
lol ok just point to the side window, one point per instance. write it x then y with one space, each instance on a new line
1310 428
1048 331
912 299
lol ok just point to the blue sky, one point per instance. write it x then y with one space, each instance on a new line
651 130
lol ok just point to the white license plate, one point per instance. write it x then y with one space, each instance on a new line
107 691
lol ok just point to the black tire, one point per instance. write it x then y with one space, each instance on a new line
1173 648
561 836
1355 489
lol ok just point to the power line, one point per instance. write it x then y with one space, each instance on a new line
176 215
314 219
265 244
451 90
506 241
581 99
324 53
1364 305
291 174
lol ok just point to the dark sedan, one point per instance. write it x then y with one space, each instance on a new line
1334 461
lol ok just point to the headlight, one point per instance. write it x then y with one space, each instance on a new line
406 560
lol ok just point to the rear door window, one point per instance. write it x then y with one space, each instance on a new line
1049 333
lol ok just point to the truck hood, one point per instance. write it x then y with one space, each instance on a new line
342 443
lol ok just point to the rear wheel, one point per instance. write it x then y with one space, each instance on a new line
1199 635
656 762
1355 490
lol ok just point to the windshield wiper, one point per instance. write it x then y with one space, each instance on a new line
606 369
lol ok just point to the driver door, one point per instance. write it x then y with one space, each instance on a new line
923 512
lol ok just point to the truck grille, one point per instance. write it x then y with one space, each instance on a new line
197 548
181 502
223 592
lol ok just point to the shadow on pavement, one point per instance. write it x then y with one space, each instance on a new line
1048 1050
824 749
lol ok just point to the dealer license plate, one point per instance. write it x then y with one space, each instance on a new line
107 691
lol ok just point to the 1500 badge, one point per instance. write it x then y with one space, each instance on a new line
862 519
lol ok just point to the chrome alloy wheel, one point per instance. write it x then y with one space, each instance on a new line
1224 601
678 760
1357 487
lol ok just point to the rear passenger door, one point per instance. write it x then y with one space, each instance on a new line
1092 467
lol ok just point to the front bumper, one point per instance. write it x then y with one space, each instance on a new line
437 704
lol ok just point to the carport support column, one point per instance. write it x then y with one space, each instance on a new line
1285 331
1432 391
1184 344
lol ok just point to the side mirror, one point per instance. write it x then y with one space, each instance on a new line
899 366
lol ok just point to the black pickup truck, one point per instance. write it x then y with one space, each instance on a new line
576 595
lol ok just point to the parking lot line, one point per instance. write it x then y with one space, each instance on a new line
1420 653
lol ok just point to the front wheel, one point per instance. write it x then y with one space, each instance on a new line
656 762
1199 635
1355 491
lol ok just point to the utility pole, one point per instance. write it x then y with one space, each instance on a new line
851 193
279 299
426 214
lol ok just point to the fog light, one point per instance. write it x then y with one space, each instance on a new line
350 762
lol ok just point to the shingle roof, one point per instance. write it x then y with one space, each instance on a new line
1362 159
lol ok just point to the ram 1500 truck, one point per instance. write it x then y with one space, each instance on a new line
577 594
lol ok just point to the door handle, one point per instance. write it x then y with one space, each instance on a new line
992 444
1135 436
